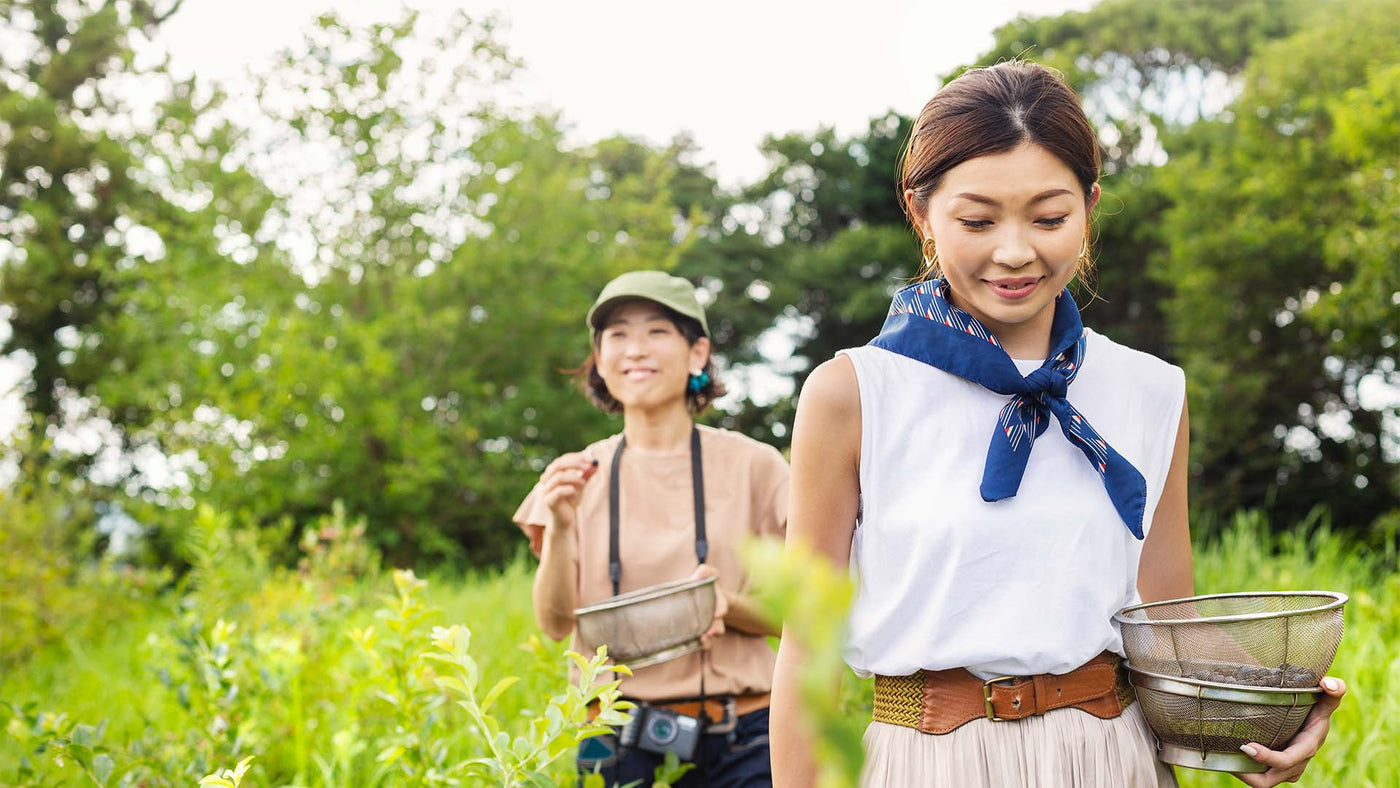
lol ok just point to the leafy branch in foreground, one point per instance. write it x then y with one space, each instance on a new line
811 598
526 759
228 778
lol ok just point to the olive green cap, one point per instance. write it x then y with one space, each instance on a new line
669 291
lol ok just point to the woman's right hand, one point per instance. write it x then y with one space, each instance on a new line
562 484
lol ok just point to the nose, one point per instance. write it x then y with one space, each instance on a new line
1013 250
634 348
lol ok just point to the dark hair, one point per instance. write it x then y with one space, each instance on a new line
597 391
994 110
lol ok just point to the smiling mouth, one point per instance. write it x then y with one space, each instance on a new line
638 374
1019 287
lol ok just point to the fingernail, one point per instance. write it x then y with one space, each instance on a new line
1248 750
1330 684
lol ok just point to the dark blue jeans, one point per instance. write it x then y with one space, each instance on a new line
738 759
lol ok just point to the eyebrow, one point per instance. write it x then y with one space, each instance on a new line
616 321
1045 195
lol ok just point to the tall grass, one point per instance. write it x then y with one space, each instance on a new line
305 702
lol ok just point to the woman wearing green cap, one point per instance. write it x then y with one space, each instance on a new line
650 361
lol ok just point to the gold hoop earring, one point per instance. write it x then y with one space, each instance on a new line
930 257
1084 252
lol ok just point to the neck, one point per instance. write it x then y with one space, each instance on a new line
1027 340
665 428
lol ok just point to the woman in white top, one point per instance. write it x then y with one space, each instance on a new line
988 572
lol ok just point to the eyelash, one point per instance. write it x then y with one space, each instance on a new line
982 224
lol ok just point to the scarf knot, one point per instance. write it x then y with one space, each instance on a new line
1048 380
925 326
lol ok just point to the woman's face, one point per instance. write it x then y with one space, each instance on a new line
643 358
1009 228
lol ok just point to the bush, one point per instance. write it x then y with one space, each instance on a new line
293 666
55 586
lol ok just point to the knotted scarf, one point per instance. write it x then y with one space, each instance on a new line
924 326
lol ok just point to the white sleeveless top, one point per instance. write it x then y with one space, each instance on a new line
1017 587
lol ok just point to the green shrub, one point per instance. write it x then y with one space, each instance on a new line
53 584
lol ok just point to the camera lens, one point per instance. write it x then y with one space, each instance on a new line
663 730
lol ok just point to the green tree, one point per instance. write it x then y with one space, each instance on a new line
363 281
810 252
1282 261
101 195
445 251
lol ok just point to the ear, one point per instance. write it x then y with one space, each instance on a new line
1095 192
699 353
916 217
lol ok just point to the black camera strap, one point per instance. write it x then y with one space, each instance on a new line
702 546
697 480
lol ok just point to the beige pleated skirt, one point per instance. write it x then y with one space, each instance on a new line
1065 748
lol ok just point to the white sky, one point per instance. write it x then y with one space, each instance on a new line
727 71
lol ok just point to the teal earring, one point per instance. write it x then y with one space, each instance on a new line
698 382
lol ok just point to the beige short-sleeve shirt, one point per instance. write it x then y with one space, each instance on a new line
746 486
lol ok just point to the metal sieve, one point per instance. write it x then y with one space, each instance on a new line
1201 724
1273 639
1218 671
650 625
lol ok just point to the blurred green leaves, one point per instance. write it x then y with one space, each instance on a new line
811 596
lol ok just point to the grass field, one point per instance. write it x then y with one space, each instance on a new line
281 666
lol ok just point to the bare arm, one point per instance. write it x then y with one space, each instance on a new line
1164 570
744 616
555 591
824 497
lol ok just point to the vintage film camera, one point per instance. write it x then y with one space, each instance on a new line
657 730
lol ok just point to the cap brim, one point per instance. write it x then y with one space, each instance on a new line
600 310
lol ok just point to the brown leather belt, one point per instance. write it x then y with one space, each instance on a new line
715 708
944 700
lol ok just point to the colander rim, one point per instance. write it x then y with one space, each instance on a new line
646 594
1216 690
1338 599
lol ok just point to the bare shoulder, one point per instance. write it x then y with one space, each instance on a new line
825 492
828 411
832 390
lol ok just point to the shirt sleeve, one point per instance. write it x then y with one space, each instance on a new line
532 516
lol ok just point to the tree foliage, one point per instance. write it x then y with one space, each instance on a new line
106 200
1282 258
363 279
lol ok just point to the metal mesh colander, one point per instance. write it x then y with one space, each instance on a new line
1214 672
1201 724
1276 639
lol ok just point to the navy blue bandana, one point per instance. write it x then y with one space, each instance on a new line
924 326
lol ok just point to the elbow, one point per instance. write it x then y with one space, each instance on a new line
555 628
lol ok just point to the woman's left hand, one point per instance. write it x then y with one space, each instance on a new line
721 605
1286 766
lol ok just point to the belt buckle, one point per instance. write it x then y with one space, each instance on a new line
987 696
728 722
